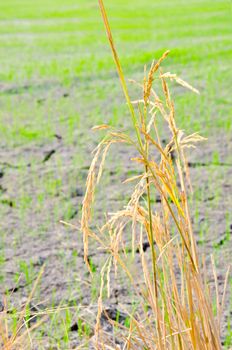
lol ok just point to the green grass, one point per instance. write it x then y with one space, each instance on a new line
50 45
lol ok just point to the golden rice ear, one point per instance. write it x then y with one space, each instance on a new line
93 178
180 81
153 69
190 140
87 204
104 154
151 122
104 271
133 178
101 127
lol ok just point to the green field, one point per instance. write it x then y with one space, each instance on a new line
50 45
57 80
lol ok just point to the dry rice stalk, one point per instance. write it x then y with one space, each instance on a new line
169 278
19 336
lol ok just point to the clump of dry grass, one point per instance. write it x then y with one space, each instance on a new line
17 327
180 311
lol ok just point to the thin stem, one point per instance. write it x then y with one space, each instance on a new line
120 71
151 234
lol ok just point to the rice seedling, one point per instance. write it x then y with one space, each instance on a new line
175 309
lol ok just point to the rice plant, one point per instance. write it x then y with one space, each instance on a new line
175 309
